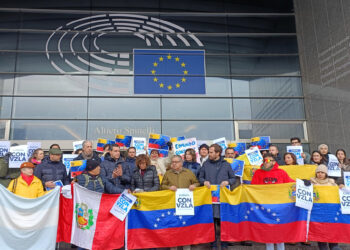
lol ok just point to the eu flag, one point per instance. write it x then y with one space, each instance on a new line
169 71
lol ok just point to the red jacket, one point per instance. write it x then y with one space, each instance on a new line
274 176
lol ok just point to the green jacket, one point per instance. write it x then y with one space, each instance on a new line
7 174
182 179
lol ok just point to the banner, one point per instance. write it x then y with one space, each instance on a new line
123 140
28 223
333 166
297 151
262 142
100 144
158 141
304 195
180 147
254 156
262 213
4 148
239 147
237 166
18 156
66 159
153 222
140 144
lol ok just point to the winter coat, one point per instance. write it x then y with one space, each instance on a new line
193 166
325 182
162 164
148 182
279 160
132 164
7 174
98 184
274 176
52 171
95 157
182 179
107 168
202 160
34 190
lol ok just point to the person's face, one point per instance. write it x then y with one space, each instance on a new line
213 155
176 164
340 155
316 157
273 151
131 153
115 152
324 150
27 171
295 143
96 171
154 155
188 156
321 175
288 160
40 155
143 165
269 162
230 153
203 152
55 157
87 149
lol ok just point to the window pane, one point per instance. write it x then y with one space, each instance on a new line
48 130
202 130
5 107
46 85
196 108
7 62
266 86
217 65
268 109
8 40
50 108
9 20
259 6
267 65
6 84
108 129
275 130
110 85
217 86
124 108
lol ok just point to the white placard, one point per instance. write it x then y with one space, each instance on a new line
344 201
4 148
66 159
32 146
123 205
180 147
77 145
254 156
333 166
297 151
304 195
18 156
184 204
222 142
139 143
346 179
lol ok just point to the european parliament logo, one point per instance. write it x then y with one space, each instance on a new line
169 71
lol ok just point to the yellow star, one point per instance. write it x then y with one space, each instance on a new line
155 79
169 56
161 59
161 85
185 72
153 72
183 64
155 64
177 59
183 79
169 87
178 85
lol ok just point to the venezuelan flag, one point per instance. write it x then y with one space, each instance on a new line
158 141
100 144
153 223
327 223
123 140
175 139
262 213
77 167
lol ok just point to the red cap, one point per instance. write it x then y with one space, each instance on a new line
27 165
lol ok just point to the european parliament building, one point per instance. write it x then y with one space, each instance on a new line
266 67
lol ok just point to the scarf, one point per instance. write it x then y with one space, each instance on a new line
36 161
28 179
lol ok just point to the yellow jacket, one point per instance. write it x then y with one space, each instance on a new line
34 190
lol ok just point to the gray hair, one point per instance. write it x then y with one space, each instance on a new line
85 142
177 156
322 145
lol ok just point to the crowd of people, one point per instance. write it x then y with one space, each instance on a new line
111 172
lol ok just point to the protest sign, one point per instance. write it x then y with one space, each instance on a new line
18 156
158 141
344 201
100 144
222 143
123 140
77 145
297 151
239 147
66 159
254 156
180 147
123 205
139 143
4 148
347 179
184 204
237 166
77 167
31 147
304 195
333 166
262 142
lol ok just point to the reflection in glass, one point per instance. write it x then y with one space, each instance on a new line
5 107
6 84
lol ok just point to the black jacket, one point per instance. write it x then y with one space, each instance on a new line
107 168
148 182
52 171
95 157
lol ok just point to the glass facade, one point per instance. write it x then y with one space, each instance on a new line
66 69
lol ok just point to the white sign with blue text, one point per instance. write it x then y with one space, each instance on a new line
304 195
4 148
18 156
333 166
184 204
180 147
139 143
123 205
32 146
254 156
222 143
297 151
344 196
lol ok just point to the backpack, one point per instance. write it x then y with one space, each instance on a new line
87 181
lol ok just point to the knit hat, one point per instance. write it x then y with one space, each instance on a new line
27 165
55 151
91 165
322 168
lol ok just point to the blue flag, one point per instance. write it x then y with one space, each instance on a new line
169 71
